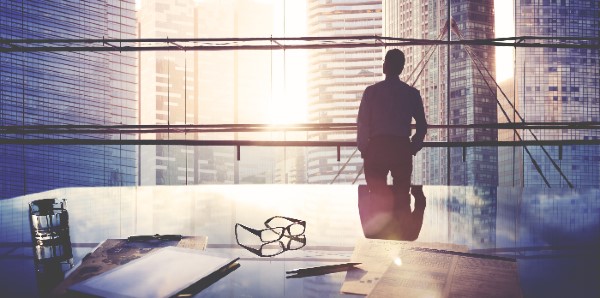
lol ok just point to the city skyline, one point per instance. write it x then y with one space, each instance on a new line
273 88
289 99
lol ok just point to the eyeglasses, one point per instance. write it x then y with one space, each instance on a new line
271 249
277 228
296 228
271 244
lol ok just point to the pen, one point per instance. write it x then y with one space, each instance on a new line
323 269
154 237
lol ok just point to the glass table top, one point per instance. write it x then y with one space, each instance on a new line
554 234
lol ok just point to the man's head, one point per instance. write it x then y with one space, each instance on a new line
393 63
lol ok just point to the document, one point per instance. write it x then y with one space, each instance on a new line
435 273
376 256
113 253
160 274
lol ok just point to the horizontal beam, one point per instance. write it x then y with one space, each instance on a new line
213 128
254 143
270 43
517 39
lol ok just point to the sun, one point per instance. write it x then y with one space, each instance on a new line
288 103
287 111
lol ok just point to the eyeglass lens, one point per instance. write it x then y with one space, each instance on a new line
271 234
293 226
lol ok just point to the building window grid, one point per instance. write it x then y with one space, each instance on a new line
567 100
53 100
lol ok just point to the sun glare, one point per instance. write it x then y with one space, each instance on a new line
289 68
288 98
504 27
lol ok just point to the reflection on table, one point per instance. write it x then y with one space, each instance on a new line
553 233
52 250
403 224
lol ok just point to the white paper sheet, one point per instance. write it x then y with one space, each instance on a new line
376 256
429 273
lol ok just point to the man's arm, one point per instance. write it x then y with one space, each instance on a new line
363 121
421 123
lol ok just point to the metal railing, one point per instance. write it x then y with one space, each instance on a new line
188 135
276 43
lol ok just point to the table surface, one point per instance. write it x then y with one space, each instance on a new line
554 234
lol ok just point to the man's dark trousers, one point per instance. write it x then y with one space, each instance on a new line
389 154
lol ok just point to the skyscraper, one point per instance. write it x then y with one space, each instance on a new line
204 87
555 85
337 78
234 87
166 91
470 100
66 88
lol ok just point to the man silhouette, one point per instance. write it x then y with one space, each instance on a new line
384 135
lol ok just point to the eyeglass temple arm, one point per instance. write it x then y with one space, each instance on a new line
249 229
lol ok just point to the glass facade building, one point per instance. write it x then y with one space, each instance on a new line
470 100
555 85
66 88
204 88
336 81
166 91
